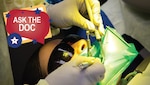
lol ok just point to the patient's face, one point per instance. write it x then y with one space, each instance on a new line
55 53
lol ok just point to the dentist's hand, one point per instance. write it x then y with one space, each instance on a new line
71 74
73 12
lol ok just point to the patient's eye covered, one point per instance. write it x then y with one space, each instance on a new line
63 52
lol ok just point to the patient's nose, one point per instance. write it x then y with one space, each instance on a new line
79 46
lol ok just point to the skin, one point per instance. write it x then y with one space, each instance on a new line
47 49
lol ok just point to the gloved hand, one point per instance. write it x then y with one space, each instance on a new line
71 74
73 12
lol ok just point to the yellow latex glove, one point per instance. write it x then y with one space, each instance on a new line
73 12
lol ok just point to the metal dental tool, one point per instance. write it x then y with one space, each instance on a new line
97 34
89 43
84 65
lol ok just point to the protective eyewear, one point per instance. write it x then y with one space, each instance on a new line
62 53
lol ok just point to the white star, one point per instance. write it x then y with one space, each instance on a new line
14 40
